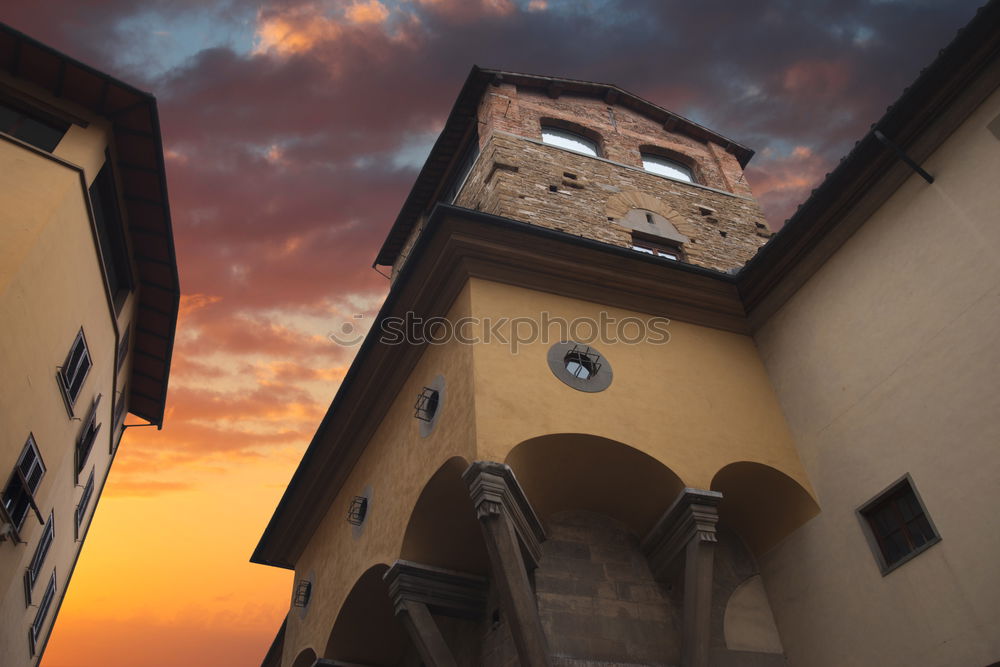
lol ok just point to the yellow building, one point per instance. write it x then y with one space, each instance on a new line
593 425
88 305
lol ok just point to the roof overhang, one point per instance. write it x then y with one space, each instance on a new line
448 147
139 148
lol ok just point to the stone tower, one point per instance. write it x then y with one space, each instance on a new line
579 462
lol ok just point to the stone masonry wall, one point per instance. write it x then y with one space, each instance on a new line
544 185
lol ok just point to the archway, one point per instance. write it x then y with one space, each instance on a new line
366 630
305 659
574 471
762 504
443 530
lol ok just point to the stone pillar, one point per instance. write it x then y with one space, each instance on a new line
513 535
688 528
419 591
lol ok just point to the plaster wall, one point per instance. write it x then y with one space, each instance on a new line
885 362
51 284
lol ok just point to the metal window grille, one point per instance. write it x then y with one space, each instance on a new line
582 362
356 512
427 404
303 589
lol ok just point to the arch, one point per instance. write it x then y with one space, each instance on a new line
305 658
762 504
675 156
366 630
749 623
575 471
443 530
619 204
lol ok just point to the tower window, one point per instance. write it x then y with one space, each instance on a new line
898 525
571 141
30 126
659 248
662 166
19 494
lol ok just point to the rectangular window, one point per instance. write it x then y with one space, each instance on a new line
121 409
75 369
19 494
81 508
656 248
30 125
897 525
111 234
123 348
38 559
43 610
88 435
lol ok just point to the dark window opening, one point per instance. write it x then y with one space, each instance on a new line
75 369
899 524
357 511
81 508
427 404
111 234
31 126
88 435
43 610
469 157
19 494
582 362
34 570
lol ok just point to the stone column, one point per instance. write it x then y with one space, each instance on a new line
513 535
418 590
688 528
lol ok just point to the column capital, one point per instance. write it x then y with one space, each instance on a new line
495 490
692 516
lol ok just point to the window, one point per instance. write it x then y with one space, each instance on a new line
662 166
897 525
81 507
74 370
88 435
111 234
43 610
427 404
660 248
464 168
569 140
38 559
581 362
31 126
19 494
123 348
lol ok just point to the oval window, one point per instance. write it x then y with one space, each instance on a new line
661 166
571 141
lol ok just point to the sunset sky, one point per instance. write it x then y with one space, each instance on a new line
293 131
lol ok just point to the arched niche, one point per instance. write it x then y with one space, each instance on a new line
573 471
366 630
762 504
443 530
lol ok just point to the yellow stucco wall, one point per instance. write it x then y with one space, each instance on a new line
696 404
51 284
885 363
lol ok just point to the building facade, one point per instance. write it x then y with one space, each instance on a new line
692 444
88 305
